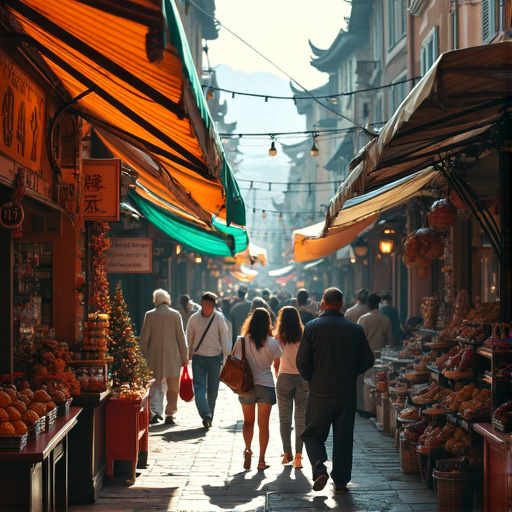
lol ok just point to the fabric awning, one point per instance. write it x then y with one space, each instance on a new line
281 271
244 274
126 68
458 103
253 254
212 241
358 214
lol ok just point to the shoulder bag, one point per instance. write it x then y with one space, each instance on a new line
204 333
236 373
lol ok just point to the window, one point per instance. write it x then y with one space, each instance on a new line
398 93
489 20
396 22
429 50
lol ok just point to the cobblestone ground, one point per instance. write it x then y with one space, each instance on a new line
191 469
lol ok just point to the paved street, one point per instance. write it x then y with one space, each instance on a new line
194 470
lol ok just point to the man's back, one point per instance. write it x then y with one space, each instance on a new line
239 312
332 353
377 327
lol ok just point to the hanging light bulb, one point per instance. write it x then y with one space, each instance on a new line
210 93
314 149
272 151
264 213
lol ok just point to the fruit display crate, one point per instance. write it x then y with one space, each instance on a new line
63 409
50 416
13 443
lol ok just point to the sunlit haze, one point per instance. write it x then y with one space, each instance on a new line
280 30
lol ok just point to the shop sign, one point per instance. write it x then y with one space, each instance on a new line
129 255
11 215
101 189
23 106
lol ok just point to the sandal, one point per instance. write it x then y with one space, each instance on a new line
297 462
287 458
247 458
262 465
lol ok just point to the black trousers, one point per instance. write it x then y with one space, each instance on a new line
322 413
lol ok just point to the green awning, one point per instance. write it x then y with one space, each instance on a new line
213 242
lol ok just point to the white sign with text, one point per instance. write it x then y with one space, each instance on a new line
129 255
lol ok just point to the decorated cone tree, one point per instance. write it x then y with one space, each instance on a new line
129 365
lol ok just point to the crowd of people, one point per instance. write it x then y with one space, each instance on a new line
307 354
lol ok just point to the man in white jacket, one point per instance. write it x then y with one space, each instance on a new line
163 344
209 344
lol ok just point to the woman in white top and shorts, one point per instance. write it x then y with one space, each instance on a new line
261 350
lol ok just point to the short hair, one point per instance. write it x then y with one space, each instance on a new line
373 300
362 295
209 296
386 296
333 297
302 296
184 299
242 292
160 296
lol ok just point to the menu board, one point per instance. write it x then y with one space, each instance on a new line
129 255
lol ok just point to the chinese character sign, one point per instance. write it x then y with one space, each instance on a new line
101 189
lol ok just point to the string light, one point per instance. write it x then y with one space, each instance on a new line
332 98
272 151
314 149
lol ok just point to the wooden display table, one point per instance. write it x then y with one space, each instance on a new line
127 432
35 479
497 468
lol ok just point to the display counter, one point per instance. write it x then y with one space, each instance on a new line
497 468
35 479
87 445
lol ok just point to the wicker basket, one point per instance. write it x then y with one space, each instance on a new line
35 430
454 490
426 461
408 457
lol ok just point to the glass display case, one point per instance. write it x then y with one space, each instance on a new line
32 289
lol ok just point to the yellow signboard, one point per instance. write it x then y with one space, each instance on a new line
23 111
101 189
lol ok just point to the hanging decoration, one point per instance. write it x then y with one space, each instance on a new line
11 213
100 242
420 248
442 215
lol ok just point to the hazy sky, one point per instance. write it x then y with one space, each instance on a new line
280 30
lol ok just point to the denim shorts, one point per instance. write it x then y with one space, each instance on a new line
259 395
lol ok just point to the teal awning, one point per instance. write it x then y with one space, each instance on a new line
213 242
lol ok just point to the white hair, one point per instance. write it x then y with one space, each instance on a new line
161 296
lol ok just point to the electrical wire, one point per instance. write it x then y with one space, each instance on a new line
296 98
311 95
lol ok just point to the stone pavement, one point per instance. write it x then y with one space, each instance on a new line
191 469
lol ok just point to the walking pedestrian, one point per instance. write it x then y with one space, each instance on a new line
332 353
291 388
359 308
261 350
386 307
208 344
187 308
376 325
239 312
302 305
163 344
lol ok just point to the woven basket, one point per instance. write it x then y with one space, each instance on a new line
454 490
13 443
426 461
63 409
408 457
50 416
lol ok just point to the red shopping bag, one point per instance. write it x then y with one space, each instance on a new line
186 385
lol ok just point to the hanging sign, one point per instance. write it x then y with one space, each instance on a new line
11 215
101 189
23 115
129 255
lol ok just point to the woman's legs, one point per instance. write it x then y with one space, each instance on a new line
263 420
249 412
285 404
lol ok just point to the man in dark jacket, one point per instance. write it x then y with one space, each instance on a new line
332 353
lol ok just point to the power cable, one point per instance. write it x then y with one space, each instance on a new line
219 23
